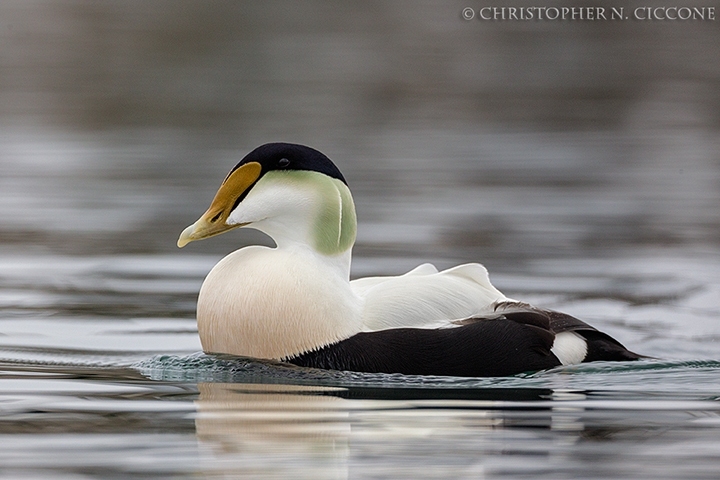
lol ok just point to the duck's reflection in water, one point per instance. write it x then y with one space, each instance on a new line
281 431
278 431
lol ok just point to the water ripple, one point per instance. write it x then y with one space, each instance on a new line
687 377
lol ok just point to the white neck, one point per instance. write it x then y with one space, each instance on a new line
339 264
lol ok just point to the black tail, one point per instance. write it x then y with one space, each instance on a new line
601 346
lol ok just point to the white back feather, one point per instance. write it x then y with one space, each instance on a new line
426 298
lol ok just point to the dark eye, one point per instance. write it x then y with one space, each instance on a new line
283 162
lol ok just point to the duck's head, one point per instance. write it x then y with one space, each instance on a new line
293 193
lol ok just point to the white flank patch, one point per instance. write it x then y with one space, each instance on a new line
570 348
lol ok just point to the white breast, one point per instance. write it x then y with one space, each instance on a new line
270 303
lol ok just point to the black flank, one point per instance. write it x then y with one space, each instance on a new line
487 348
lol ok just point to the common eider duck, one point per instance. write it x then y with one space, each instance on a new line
296 303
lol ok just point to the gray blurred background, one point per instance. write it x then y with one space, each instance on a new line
461 140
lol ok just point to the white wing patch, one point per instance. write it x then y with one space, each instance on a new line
426 298
361 285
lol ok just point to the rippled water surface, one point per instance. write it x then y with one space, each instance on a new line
102 377
579 162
